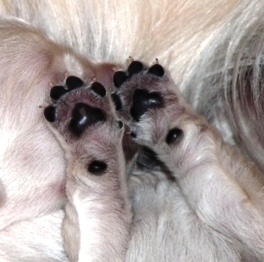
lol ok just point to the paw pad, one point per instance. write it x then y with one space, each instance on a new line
138 89
97 167
72 82
120 76
135 67
77 109
83 116
49 113
57 91
156 70
144 100
174 135
98 89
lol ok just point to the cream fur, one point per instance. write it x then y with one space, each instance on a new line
207 47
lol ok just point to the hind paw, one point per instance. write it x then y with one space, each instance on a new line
157 115
146 98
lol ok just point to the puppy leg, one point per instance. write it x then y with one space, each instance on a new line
223 189
98 217
32 165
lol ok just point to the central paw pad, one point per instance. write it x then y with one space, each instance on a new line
144 100
83 116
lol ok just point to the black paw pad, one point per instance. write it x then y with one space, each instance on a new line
144 100
73 82
98 88
83 116
119 78
97 167
49 113
174 135
156 70
134 68
57 91
116 99
133 134
120 124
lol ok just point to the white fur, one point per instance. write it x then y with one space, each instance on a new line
204 44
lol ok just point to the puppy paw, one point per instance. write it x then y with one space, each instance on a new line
157 115
209 172
83 116
145 95
83 119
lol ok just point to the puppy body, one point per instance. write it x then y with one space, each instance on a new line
205 45
32 180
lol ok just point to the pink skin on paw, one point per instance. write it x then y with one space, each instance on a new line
104 74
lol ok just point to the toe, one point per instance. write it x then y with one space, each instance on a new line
156 70
135 67
49 113
98 89
73 82
119 78
57 91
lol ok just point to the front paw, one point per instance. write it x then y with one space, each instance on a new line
83 118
